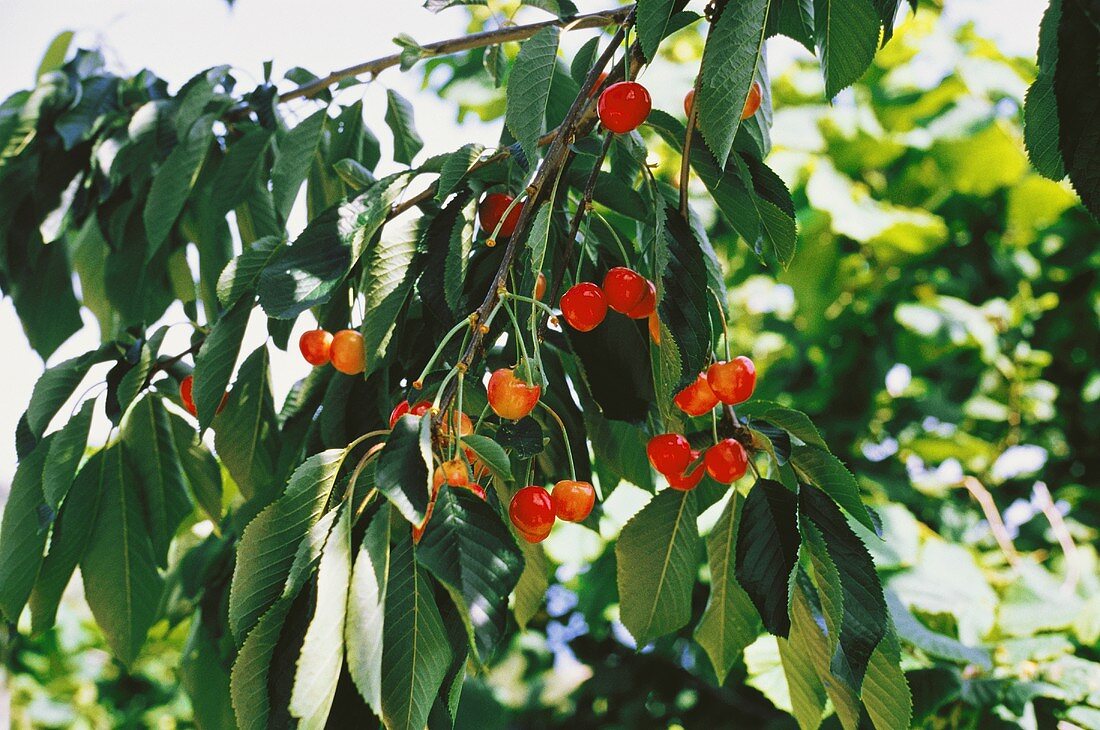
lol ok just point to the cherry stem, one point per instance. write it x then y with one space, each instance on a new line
541 305
519 341
564 438
725 323
714 424
364 437
439 349
685 159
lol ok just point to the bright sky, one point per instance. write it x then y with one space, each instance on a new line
177 39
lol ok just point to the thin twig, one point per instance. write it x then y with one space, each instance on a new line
1065 539
993 516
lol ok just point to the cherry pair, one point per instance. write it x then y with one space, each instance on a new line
187 387
752 101
624 290
727 382
343 349
533 510
672 456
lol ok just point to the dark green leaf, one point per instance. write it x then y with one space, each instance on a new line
215 361
794 422
57 384
767 550
491 454
846 33
246 438
404 470
399 116
389 272
529 89
524 437
134 381
824 470
297 149
1075 91
242 274
66 451
21 538
244 163
652 18
204 474
173 183
455 168
686 301
794 19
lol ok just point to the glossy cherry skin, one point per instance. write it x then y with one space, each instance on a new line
403 407
726 461
624 106
315 346
697 398
492 209
540 286
732 382
532 512
752 102
187 387
510 397
669 453
686 481
648 303
584 306
347 352
623 289
573 501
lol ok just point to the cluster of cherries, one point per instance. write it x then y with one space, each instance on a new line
671 454
344 350
624 290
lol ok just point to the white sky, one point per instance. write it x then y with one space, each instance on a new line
176 39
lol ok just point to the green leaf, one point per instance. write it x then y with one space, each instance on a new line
537 237
826 471
529 89
524 437
54 57
68 541
269 542
173 182
415 654
472 553
57 384
885 691
205 677
652 18
492 455
389 273
404 470
366 609
215 360
657 554
244 163
794 19
66 451
455 168
121 582
149 441
796 423
246 438
685 305
802 654
767 550
135 380
865 619
1041 132
530 591
242 274
22 539
297 149
931 642
323 648
1078 104
585 58
399 117
846 33
730 61
730 622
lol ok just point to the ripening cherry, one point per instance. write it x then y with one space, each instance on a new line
187 386
315 346
732 382
648 303
466 426
532 512
584 306
669 453
752 101
492 210
726 461
540 286
510 397
477 466
348 355
697 398
454 473
624 106
686 481
689 101
623 289
573 500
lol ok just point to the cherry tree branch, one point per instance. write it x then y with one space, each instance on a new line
993 516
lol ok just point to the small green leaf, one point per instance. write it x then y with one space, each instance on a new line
529 89
404 470
246 438
796 423
297 149
656 554
458 254
652 24
491 454
399 117
846 33
57 384
66 451
537 237
455 168
215 361
55 53
767 550
134 381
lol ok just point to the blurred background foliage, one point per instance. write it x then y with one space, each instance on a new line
939 324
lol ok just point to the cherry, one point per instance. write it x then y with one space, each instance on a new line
596 86
689 101
532 512
685 481
573 500
540 286
726 461
454 472
623 288
492 210
347 352
655 328
669 453
734 381
403 407
584 306
476 465
648 303
624 106
421 408
315 345
187 387
697 398
752 102
465 428
510 397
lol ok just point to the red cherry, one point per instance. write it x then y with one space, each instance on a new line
421 408
752 102
186 387
492 210
726 461
398 410
573 500
540 286
689 101
624 106
348 355
623 289
685 481
510 397
697 398
669 453
532 512
315 345
648 303
732 382
584 306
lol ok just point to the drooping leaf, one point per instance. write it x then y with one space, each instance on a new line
685 306
529 89
530 593
137 378
1075 80
389 272
57 384
794 422
846 33
794 19
399 117
173 183
652 17
22 539
886 692
803 653
66 451
404 469
767 550
537 237
243 164
366 609
935 644
297 149
657 553
204 474
215 360
246 437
